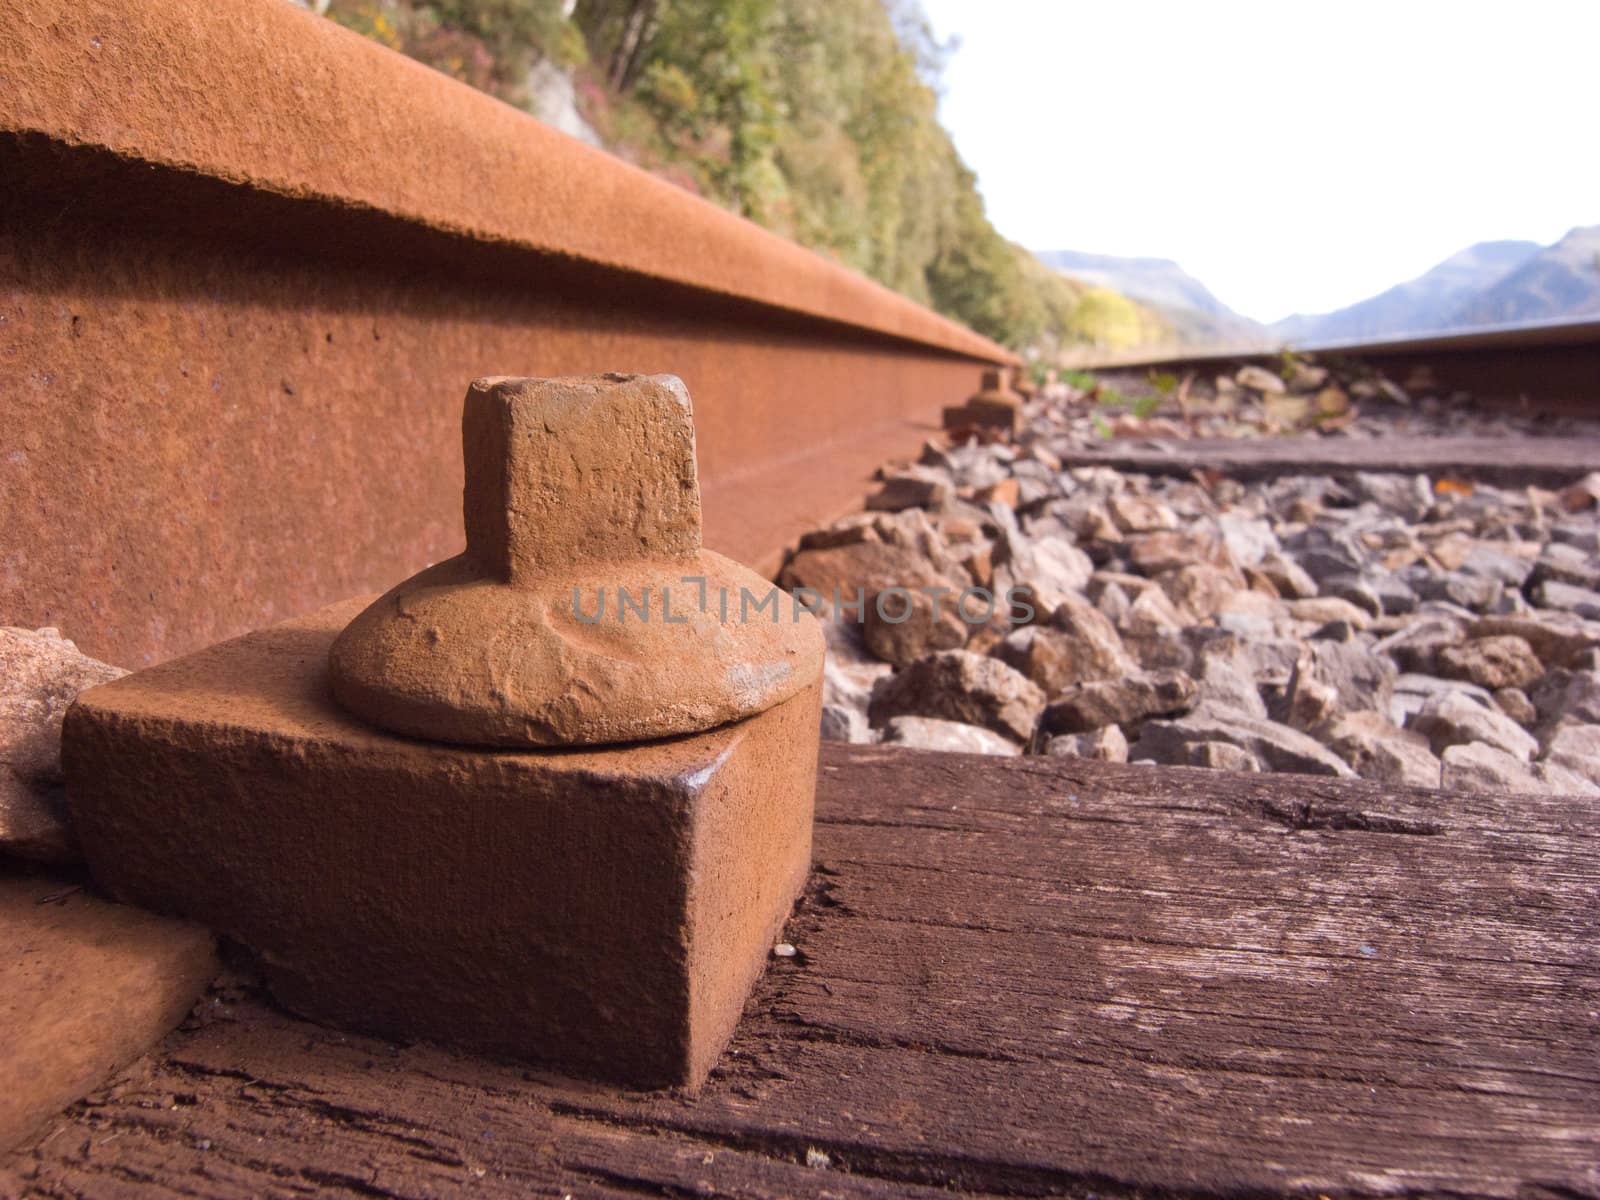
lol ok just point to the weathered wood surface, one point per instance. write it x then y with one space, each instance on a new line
1509 461
1015 977
85 987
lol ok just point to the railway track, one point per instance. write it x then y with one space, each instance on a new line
235 334
1547 366
268 335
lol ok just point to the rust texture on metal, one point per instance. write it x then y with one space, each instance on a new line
237 305
584 610
274 97
603 911
994 407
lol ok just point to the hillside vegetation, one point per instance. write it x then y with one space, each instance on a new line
1193 315
814 118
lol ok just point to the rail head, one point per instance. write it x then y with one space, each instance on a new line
1553 334
269 96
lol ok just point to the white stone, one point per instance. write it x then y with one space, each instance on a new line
931 733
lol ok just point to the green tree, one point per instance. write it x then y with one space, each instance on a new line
816 118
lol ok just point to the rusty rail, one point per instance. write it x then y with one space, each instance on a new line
250 261
1550 366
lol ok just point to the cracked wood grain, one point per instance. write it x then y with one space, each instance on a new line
1013 977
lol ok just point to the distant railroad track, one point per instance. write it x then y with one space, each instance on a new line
1550 366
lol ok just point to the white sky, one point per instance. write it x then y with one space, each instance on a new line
1295 156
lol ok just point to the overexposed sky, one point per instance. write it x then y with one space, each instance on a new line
1295 156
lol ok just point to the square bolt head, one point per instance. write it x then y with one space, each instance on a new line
593 469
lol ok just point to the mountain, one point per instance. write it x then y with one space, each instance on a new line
1195 315
1157 281
1562 280
1429 302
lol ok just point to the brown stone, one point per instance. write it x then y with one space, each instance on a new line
1078 645
1319 610
1260 582
980 565
1416 646
1200 590
1480 767
1140 514
910 489
1582 495
896 577
866 565
1087 518
913 529
1376 749
1002 491
1042 454
1287 577
1259 379
85 987
1044 573
1168 550
1559 639
1126 702
1499 661
602 911
857 574
41 673
1098 650
1359 677
1274 746
1103 745
1309 703
841 533
1150 613
1221 756
1451 718
581 497
956 528
902 625
1038 653
1515 704
958 685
